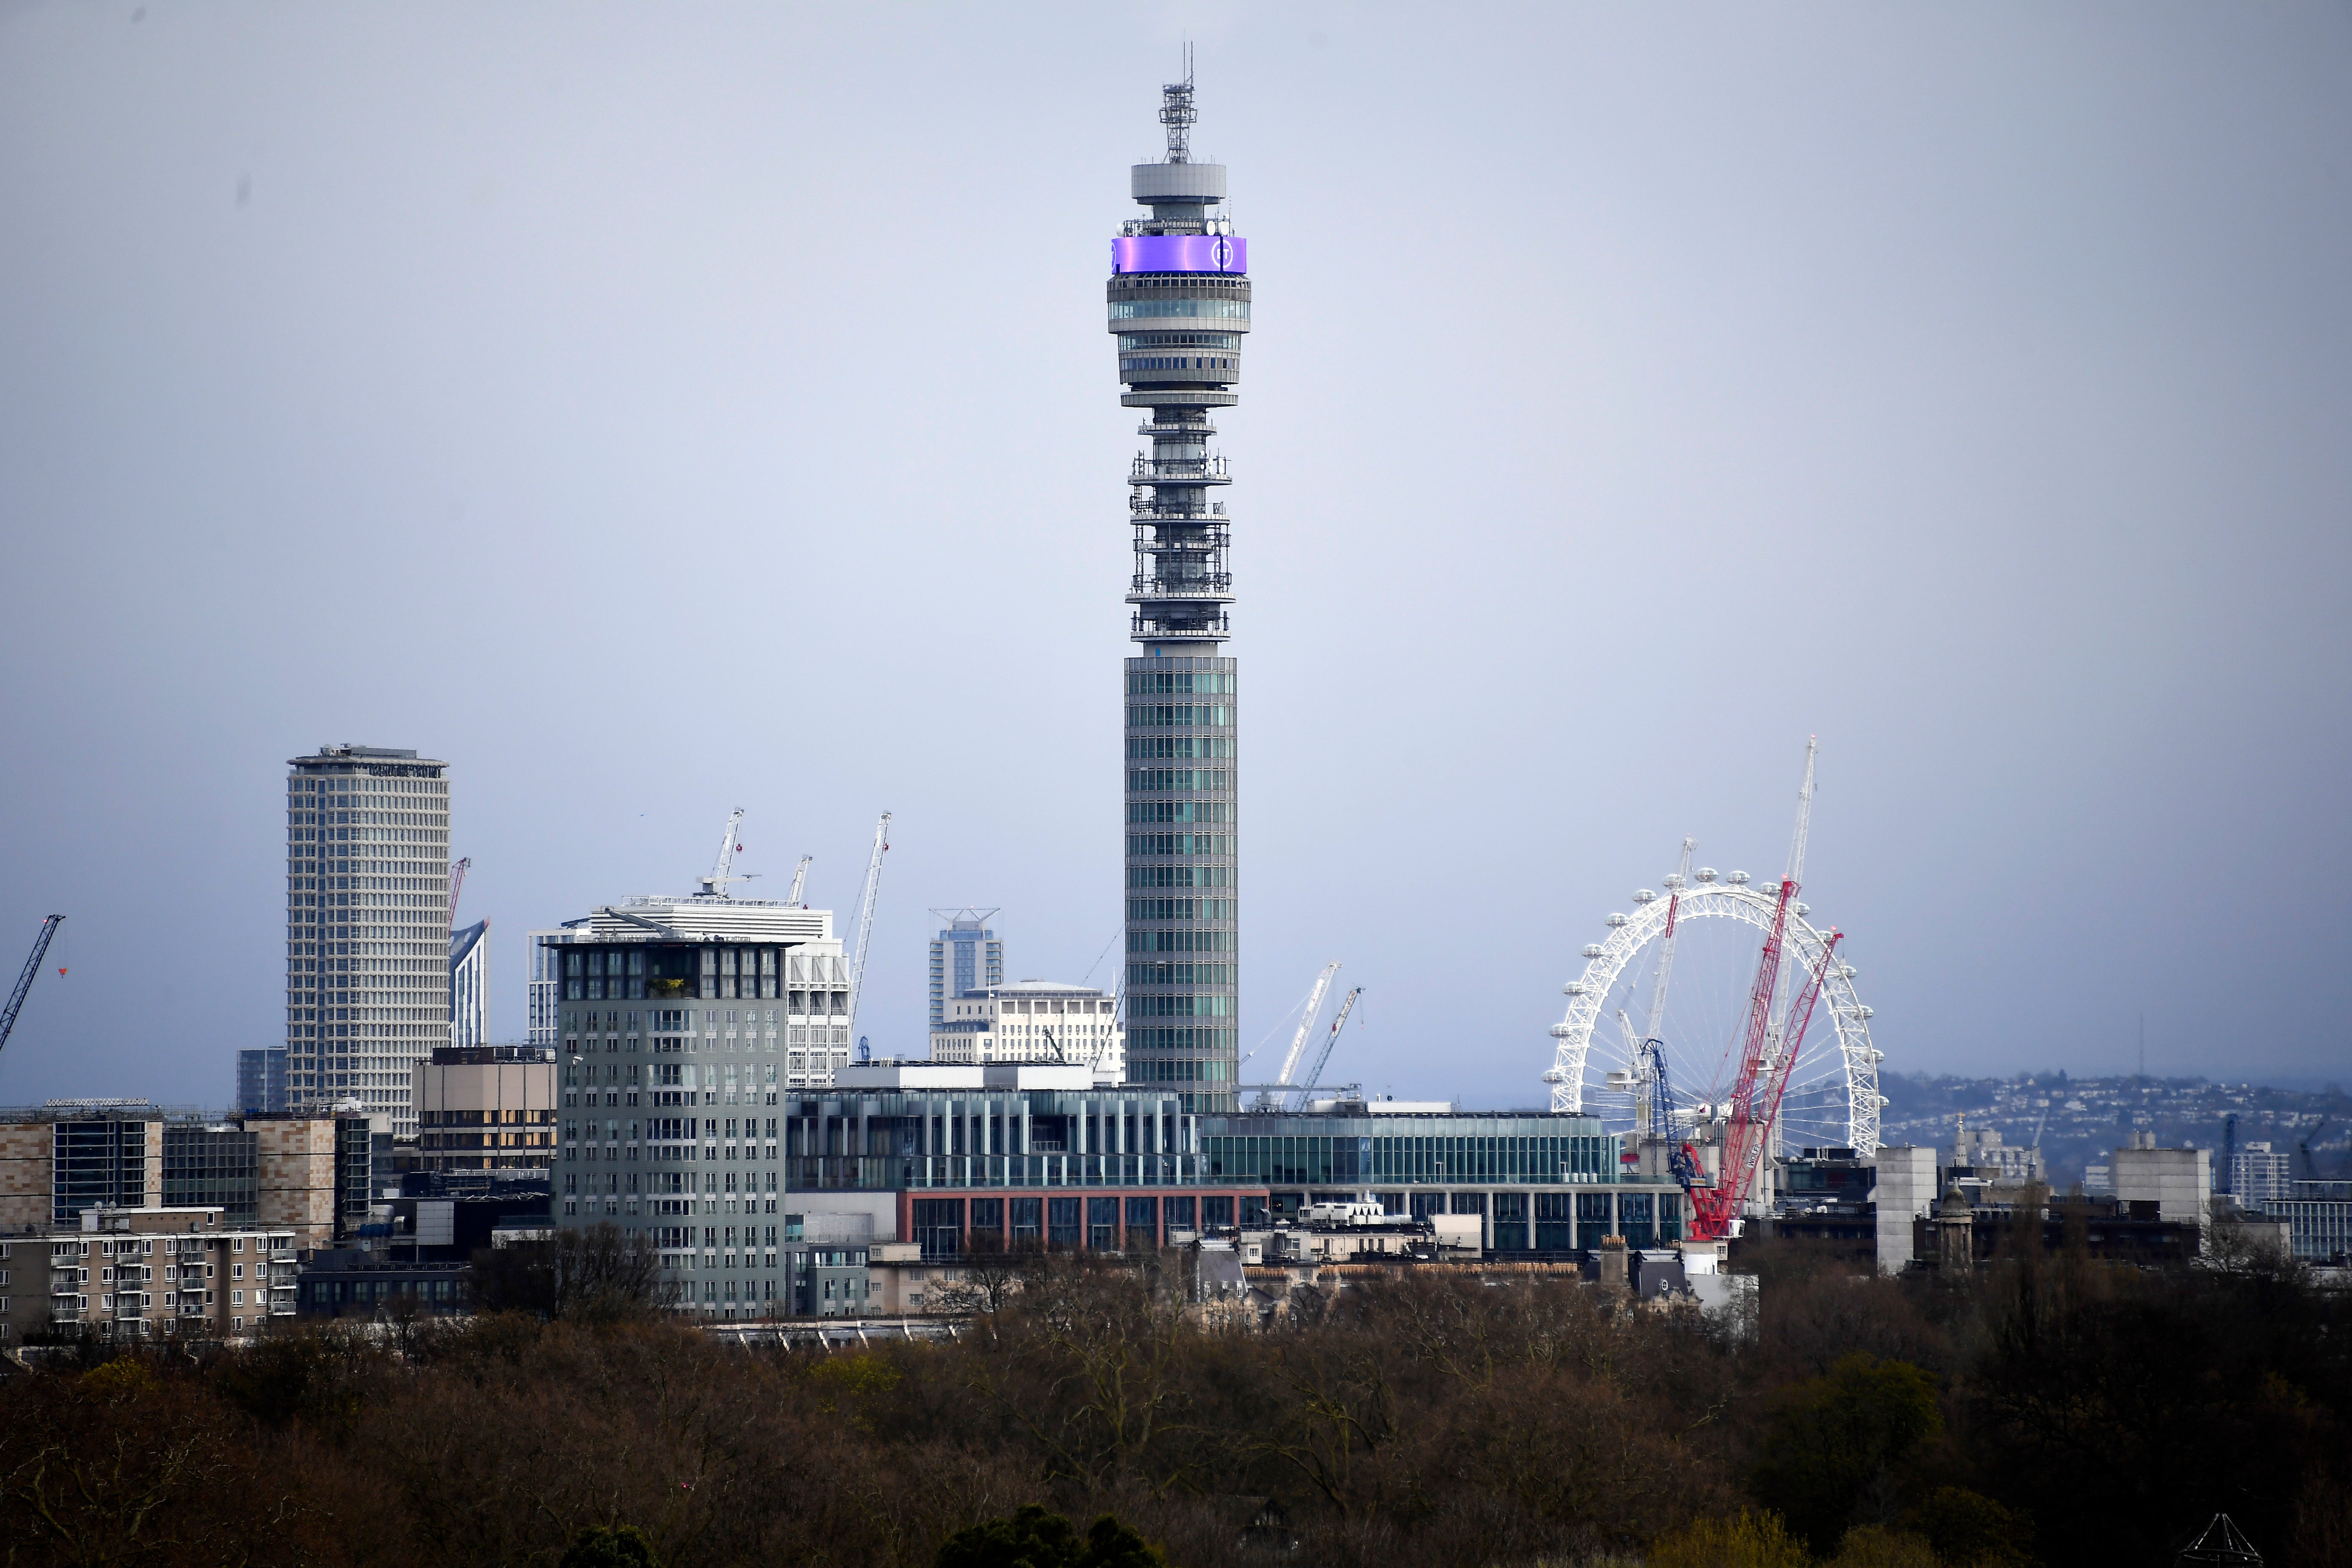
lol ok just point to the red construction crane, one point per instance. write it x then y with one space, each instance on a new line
458 886
1766 1056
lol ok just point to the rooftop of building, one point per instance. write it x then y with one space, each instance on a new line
489 1056
464 939
1032 988
697 917
922 1076
349 753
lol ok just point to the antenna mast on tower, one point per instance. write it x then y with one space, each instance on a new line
1177 113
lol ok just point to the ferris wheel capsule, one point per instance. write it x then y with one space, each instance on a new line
1737 878
1615 921
1592 950
1574 988
1706 873
1555 1075
1643 896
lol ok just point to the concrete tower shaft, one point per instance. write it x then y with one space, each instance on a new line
1179 300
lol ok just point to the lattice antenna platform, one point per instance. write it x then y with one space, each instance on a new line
1177 113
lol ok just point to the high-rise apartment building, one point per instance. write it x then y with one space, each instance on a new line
2260 1174
965 956
367 932
470 954
1180 301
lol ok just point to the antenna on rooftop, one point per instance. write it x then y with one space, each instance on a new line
1177 113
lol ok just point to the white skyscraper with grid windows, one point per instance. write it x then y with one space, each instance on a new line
367 927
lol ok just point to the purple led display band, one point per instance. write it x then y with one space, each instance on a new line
1180 253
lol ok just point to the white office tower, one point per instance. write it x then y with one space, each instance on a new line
2261 1174
1033 1021
469 969
367 931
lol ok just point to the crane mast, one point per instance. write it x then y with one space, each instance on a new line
1339 1022
866 903
458 886
1306 1027
1674 886
1767 1052
715 885
800 880
33 967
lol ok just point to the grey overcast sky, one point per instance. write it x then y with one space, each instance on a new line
658 409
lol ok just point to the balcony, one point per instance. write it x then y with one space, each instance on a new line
1211 536
1210 587
1216 629
1146 505
1179 471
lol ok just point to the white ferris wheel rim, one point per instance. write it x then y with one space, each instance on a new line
1573 1033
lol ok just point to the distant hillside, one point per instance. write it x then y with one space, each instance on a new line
2078 1119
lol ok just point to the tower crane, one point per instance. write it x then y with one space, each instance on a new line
1766 1053
1298 1041
458 886
715 885
866 913
41 950
1339 1022
1674 886
800 880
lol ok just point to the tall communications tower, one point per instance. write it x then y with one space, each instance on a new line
1180 301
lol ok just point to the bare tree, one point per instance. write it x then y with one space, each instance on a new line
987 1278
597 1273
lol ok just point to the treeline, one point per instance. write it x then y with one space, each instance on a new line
2044 1411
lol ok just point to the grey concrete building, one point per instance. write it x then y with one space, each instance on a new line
2179 1181
367 931
1179 300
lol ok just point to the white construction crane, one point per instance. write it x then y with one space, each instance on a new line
1298 1041
1339 1022
866 915
800 880
714 886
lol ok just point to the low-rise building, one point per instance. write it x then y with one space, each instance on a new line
1960 1234
347 1283
2318 1216
270 1171
145 1272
